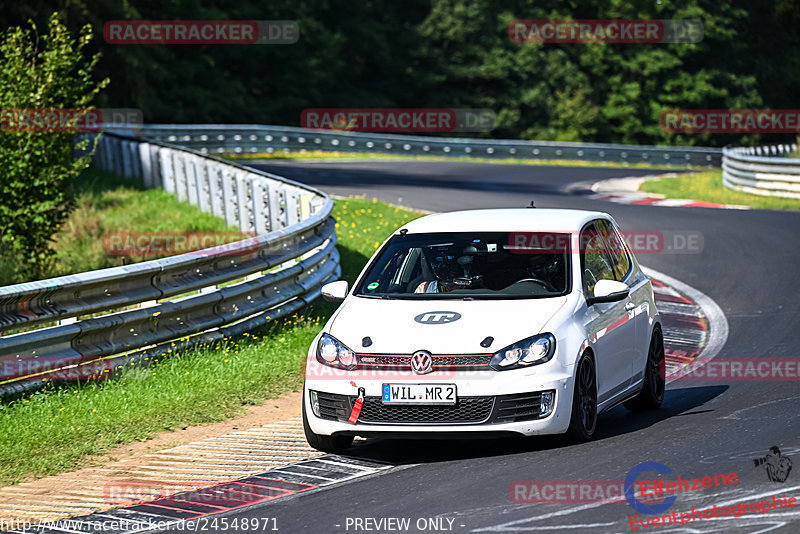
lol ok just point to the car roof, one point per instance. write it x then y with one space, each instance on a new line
505 220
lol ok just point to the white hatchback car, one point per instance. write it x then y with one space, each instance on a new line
486 322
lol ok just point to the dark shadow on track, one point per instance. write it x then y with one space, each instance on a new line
677 402
539 179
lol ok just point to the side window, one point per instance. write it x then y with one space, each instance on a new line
385 277
595 259
625 258
616 249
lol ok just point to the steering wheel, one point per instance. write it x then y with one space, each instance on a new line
545 284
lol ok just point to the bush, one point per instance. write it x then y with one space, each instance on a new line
39 73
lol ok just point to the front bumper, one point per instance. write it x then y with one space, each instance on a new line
488 402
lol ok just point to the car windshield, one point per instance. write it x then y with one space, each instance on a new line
481 265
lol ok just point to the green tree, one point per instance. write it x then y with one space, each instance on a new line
453 53
37 167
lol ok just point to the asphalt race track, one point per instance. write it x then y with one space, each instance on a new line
748 265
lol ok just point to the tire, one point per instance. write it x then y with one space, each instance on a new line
583 420
652 394
324 443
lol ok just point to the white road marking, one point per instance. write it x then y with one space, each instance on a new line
507 527
717 322
735 415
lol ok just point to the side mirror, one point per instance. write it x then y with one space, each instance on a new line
335 291
608 291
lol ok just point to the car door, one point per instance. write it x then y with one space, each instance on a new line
607 325
638 302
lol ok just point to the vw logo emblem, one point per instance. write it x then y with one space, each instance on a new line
422 362
437 317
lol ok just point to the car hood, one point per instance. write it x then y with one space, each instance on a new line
405 326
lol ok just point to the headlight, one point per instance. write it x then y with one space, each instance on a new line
532 351
332 352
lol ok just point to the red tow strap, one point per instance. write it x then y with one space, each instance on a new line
357 405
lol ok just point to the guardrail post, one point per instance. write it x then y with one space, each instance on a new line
229 198
117 157
179 159
283 196
203 185
275 215
244 203
101 155
155 167
191 181
127 163
167 170
260 207
292 209
315 205
108 147
145 164
136 159
305 206
215 188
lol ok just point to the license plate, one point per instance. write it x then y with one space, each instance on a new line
419 394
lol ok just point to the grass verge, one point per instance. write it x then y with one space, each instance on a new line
325 155
64 428
707 186
107 207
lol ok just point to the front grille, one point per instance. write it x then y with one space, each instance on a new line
403 361
466 410
519 407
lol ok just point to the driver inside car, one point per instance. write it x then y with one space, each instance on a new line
546 267
444 270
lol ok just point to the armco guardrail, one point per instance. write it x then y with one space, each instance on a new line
762 170
295 233
245 138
